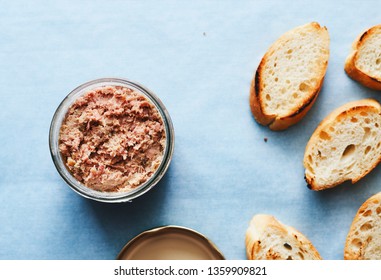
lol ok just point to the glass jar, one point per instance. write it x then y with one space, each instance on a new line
109 196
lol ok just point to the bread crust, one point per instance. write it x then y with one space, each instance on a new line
350 108
255 100
358 252
276 122
261 225
350 63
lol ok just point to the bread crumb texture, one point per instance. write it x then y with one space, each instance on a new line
269 239
369 53
363 64
364 238
345 146
290 74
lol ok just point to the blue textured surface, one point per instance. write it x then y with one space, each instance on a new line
199 58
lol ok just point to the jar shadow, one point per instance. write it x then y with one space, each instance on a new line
120 222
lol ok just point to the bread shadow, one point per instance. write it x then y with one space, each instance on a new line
362 89
352 193
296 134
337 207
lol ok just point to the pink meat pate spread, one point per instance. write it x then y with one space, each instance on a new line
112 139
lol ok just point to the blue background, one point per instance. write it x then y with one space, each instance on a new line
199 58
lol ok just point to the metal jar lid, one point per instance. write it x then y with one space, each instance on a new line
170 243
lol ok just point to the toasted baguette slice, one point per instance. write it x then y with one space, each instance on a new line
364 62
268 239
289 76
345 146
364 238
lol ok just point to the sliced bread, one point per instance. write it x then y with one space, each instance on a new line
289 76
364 238
345 146
268 239
364 62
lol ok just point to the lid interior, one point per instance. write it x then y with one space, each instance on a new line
170 243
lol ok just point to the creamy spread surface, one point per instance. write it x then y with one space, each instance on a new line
112 139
